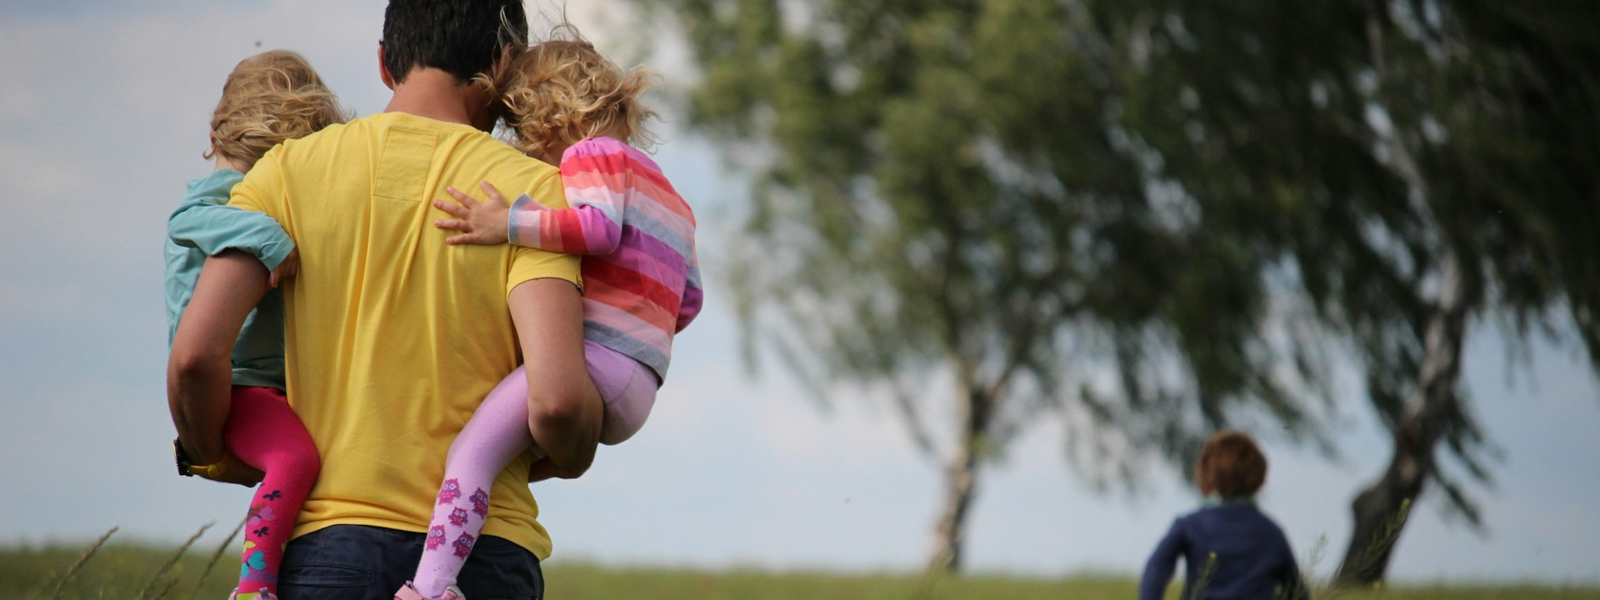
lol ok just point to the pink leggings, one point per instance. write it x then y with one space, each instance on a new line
265 433
498 432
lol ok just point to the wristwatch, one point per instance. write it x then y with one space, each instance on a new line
184 463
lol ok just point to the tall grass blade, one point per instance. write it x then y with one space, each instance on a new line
215 556
161 573
73 570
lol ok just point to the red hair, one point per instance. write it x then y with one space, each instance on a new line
1230 466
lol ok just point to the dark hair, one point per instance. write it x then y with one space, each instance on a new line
1230 466
461 37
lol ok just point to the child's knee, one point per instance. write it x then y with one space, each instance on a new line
620 425
300 461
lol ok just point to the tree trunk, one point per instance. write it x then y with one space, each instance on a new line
1380 510
960 484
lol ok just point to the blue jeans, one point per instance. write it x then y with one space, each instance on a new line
358 562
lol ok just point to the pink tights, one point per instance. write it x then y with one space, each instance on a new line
498 432
265 433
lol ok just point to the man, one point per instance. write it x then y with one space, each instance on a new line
393 337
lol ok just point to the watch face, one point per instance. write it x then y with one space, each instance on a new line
182 459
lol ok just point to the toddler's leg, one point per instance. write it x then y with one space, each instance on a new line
497 432
265 433
627 387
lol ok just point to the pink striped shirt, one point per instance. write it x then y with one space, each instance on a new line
640 275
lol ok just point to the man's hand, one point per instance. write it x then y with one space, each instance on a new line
228 470
286 269
543 469
479 222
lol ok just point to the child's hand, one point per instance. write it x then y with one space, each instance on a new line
286 269
479 222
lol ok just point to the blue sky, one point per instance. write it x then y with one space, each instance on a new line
102 120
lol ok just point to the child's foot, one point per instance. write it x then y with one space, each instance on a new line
409 592
261 595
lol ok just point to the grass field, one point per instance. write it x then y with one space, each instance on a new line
129 572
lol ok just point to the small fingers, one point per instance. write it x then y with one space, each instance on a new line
455 224
494 194
464 199
471 237
455 210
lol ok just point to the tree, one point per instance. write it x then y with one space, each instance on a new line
1423 159
1019 196
1488 148
941 202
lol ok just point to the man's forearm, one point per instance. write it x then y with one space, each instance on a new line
566 428
200 367
198 390
564 410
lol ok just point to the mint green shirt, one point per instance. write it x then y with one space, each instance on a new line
203 226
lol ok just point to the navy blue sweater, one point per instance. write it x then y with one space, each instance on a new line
1253 559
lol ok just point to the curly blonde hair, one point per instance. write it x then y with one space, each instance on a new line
561 92
268 98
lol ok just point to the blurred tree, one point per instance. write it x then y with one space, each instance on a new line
944 199
1015 197
1420 162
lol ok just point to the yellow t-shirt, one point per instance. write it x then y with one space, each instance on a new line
392 336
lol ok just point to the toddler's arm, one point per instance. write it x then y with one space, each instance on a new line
206 222
597 175
1158 570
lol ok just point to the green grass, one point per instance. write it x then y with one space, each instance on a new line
120 572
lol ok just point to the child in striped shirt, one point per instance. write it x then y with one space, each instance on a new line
570 106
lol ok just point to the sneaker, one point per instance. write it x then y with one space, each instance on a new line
409 592
261 595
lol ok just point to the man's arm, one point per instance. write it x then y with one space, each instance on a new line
200 368
564 409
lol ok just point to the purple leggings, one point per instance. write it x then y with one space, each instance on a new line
498 432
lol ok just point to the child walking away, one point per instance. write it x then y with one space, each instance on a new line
1230 550
268 98
570 106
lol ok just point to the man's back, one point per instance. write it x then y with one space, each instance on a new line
393 337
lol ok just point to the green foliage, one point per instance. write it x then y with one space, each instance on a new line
1369 148
1019 197
117 571
943 196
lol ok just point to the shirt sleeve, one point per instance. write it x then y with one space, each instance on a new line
597 176
693 293
203 222
528 262
262 191
1158 570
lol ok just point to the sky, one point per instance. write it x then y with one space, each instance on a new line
103 118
